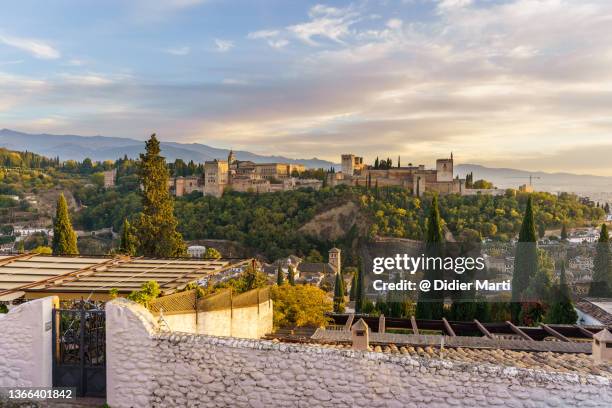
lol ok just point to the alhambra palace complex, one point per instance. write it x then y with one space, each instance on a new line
247 176
417 179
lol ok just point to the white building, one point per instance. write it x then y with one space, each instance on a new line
196 251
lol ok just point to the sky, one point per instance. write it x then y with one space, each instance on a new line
503 83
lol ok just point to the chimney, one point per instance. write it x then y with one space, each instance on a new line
360 333
602 347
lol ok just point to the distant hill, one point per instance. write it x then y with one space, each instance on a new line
552 182
101 148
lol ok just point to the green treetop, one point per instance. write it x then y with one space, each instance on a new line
156 224
526 257
601 284
64 237
339 294
280 276
128 240
291 276
562 310
431 305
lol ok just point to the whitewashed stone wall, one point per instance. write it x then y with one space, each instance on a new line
25 344
174 369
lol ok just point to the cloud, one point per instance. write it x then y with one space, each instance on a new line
223 45
499 83
263 34
449 5
179 51
36 48
327 23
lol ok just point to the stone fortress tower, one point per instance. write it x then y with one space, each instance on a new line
444 168
334 259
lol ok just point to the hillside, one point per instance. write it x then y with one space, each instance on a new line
100 148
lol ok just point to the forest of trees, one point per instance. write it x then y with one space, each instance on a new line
397 213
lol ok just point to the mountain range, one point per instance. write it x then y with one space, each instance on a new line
100 148
110 148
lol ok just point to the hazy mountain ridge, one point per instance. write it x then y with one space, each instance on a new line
110 148
553 182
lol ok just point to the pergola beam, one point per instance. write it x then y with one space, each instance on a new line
448 328
483 329
518 331
413 323
553 332
584 331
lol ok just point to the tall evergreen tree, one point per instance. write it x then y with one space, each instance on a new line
339 293
156 224
64 237
601 284
562 310
291 276
431 304
359 290
525 260
128 240
353 286
280 276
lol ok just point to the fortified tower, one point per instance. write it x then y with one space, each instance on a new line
444 169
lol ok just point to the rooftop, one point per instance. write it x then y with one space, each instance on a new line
44 275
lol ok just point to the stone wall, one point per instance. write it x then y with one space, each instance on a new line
149 368
25 344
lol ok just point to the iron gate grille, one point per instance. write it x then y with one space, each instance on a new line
79 351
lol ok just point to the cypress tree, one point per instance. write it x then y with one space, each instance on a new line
128 244
359 295
601 284
562 310
339 294
156 224
291 276
280 276
353 286
431 304
64 237
525 260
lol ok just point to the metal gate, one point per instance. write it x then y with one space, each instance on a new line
79 350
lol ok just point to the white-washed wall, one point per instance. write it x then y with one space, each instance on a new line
25 344
252 322
176 369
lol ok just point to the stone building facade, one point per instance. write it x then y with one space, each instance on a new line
417 179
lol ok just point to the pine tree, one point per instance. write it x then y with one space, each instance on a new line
291 276
339 294
431 304
280 276
525 260
156 224
128 240
64 237
562 310
376 163
601 283
398 162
